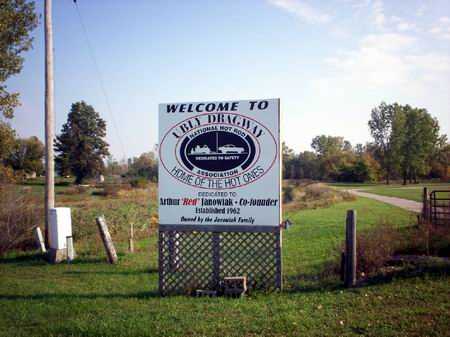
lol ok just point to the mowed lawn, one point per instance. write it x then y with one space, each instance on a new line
91 298
410 192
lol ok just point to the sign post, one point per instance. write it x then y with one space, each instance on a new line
219 194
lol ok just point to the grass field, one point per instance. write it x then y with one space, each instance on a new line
411 192
91 298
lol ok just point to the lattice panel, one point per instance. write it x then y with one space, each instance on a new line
252 255
200 259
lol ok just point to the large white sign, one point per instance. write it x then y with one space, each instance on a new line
219 163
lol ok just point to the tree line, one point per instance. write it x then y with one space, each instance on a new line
406 145
81 151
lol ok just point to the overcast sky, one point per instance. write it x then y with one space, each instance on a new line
330 62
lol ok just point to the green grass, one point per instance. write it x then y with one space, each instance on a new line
410 192
91 298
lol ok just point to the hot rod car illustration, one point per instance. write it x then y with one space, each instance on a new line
230 148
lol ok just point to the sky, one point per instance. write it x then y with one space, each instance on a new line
330 63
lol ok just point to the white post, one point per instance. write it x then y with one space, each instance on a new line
49 119
39 239
70 250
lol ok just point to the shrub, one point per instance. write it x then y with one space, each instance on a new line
376 247
319 191
288 194
439 241
111 190
19 214
6 174
139 182
311 195
427 239
359 172
63 183
78 189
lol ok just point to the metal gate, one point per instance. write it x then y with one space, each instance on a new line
439 212
199 257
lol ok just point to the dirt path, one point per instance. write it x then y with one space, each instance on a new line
409 205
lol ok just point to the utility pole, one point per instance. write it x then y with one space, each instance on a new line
49 119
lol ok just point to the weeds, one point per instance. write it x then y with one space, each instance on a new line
19 214
111 190
139 182
377 247
308 195
74 190
130 206
427 239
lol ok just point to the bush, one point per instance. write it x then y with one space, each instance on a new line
111 190
19 214
7 175
288 194
427 239
311 195
139 182
63 183
74 190
357 172
376 247
319 191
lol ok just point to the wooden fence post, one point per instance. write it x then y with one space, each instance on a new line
131 239
350 249
425 216
107 241
39 239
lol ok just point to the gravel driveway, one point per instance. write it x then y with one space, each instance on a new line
409 205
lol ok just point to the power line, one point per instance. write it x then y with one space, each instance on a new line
100 77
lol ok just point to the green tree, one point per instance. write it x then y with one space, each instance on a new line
333 153
80 146
27 155
420 136
308 165
7 141
442 159
146 165
288 162
329 145
405 139
114 167
358 171
385 126
17 20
